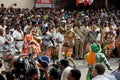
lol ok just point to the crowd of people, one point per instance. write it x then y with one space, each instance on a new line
59 33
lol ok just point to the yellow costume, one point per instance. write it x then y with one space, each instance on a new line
68 43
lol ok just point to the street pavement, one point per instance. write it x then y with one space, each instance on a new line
83 67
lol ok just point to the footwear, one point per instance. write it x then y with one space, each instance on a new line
80 58
74 66
76 58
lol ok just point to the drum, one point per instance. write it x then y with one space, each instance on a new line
118 46
68 44
118 42
54 51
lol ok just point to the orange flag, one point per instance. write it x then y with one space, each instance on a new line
91 58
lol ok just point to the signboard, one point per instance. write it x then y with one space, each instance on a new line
43 3
89 2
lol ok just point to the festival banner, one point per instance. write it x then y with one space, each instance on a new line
90 2
43 3
85 2
79 1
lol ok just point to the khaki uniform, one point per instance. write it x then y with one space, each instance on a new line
85 31
39 32
102 34
79 42
28 30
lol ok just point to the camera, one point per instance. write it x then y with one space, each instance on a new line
23 66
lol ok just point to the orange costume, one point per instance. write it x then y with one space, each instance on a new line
31 46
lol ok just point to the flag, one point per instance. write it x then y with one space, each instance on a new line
106 3
86 2
79 1
91 58
90 2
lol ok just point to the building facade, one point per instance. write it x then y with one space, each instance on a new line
20 3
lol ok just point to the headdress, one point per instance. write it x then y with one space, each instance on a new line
29 37
95 47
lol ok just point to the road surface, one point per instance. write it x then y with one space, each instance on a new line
83 67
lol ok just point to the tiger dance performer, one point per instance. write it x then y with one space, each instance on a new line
108 44
68 44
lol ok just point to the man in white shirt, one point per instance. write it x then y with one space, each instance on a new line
110 77
2 41
98 72
59 37
64 66
9 44
3 26
18 37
